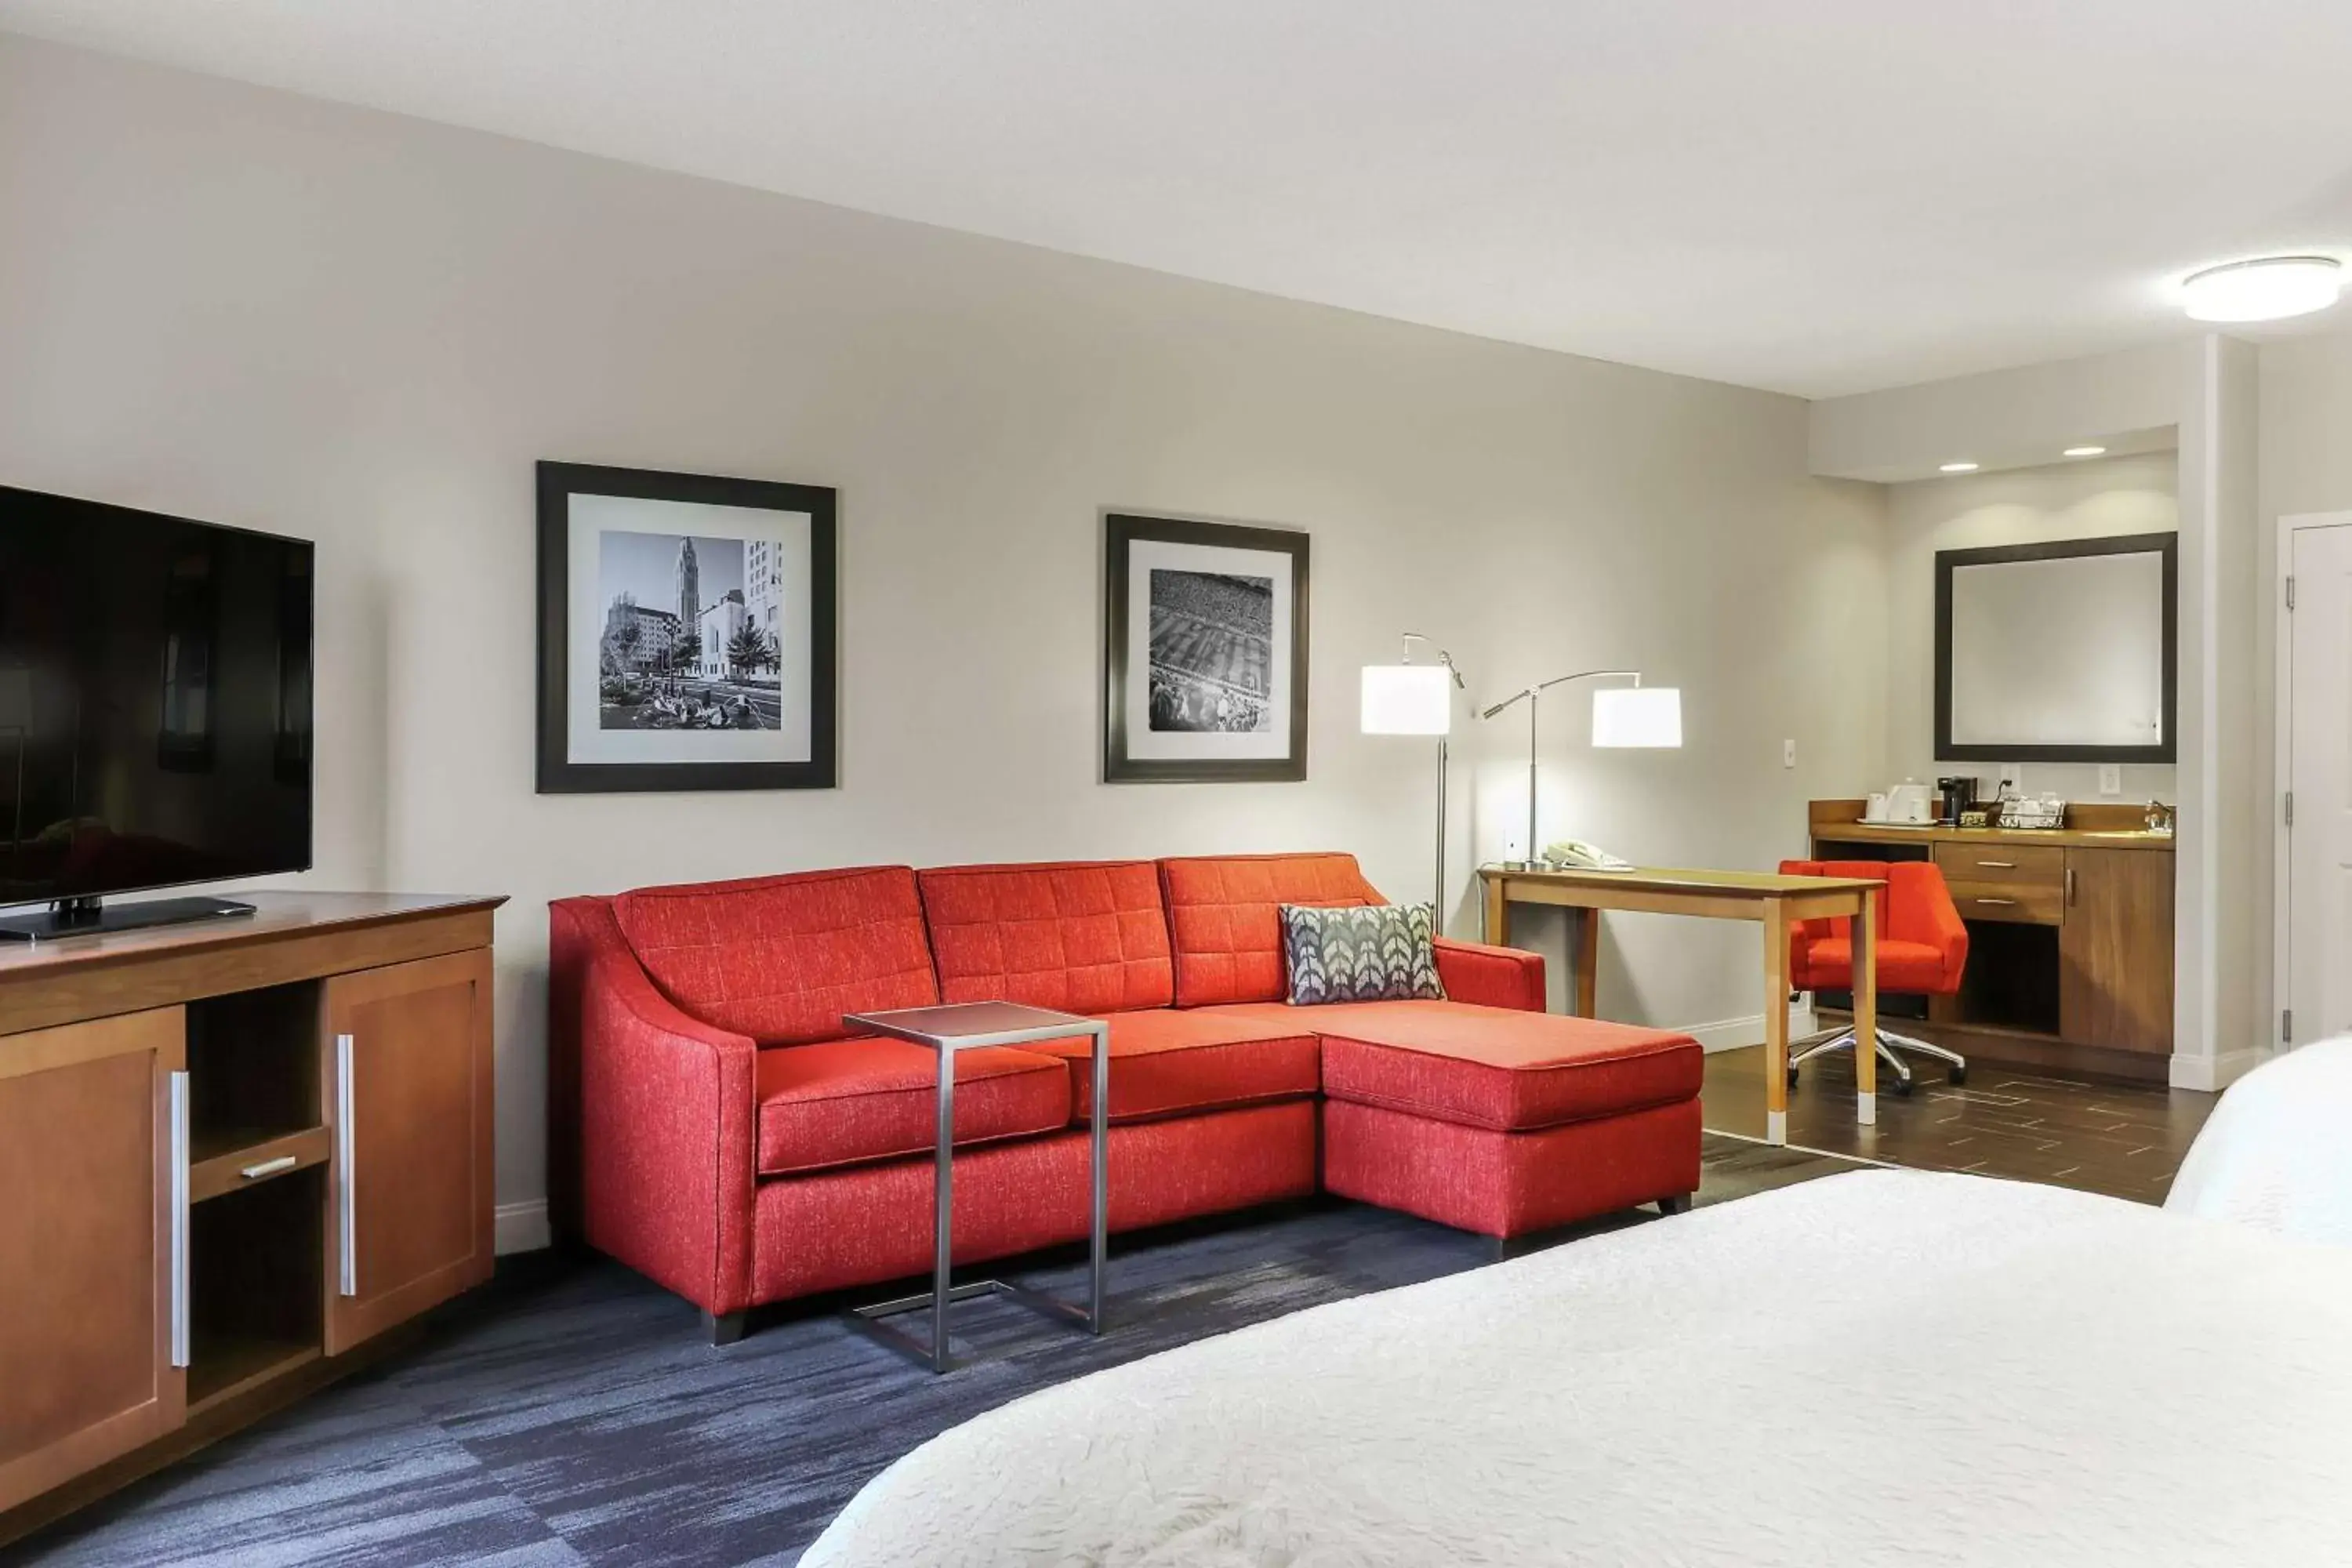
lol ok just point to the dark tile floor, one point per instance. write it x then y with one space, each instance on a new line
570 1412
2124 1140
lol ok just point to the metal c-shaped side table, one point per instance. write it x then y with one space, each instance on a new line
964 1027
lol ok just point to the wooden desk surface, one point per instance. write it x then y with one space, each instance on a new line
1672 880
2089 826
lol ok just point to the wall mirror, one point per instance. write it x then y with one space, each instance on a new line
2062 652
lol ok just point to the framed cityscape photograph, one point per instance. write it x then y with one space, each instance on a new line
685 632
1205 652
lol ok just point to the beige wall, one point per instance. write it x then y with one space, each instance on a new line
2307 467
2094 498
251 307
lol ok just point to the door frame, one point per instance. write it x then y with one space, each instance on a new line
2283 768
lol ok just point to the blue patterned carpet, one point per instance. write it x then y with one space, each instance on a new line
570 1412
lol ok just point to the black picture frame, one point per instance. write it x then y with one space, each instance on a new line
1121 532
2167 545
558 774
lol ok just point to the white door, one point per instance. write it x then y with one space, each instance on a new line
2319 842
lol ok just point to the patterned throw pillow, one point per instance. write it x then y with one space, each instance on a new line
1383 953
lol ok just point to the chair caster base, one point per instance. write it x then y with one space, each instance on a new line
1902 1087
1957 1075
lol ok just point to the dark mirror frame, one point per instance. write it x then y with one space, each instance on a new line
2167 545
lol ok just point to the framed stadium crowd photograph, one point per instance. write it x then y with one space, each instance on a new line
1205 656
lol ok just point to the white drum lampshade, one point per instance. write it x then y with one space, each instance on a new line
1629 716
1408 699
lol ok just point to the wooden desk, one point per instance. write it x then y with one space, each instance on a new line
1771 899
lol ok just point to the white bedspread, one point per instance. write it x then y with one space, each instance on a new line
1890 1367
2275 1153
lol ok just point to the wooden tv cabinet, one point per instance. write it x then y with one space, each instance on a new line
232 1154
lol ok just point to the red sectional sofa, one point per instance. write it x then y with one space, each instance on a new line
711 1127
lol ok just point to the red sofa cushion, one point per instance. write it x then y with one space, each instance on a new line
1166 1061
781 958
842 1101
831 1229
1080 937
1223 913
1495 1067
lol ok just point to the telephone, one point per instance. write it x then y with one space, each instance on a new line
1576 855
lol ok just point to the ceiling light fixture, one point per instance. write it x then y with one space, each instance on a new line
2086 452
1957 469
2268 289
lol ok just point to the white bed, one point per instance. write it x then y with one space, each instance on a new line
1889 1367
2274 1154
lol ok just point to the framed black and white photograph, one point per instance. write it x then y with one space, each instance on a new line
685 632
1206 652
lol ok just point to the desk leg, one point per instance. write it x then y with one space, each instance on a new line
1865 1012
1587 963
1776 1023
1498 915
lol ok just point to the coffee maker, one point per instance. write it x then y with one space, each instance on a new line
1953 796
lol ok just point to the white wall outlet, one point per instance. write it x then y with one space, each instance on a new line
1788 754
2111 778
2012 777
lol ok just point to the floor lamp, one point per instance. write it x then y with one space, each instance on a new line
1409 699
1634 715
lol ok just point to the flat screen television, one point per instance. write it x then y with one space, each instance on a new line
155 691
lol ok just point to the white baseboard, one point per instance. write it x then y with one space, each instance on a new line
522 1227
2211 1074
1734 1034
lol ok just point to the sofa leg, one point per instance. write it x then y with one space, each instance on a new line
725 1328
1679 1203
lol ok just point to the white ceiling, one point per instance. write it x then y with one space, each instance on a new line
1815 196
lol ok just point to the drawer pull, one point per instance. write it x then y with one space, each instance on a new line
2004 901
1998 865
271 1167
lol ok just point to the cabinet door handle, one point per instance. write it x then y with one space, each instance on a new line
271 1167
1998 865
2004 902
347 1280
179 1096
2070 884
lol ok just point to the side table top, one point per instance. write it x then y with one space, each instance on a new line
962 1025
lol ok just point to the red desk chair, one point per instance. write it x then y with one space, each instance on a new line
1923 947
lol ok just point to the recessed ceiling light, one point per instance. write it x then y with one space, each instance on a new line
2086 451
2269 288
1957 469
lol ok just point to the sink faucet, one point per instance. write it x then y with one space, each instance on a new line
2160 817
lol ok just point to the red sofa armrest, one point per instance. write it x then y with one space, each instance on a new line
666 1140
1491 976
